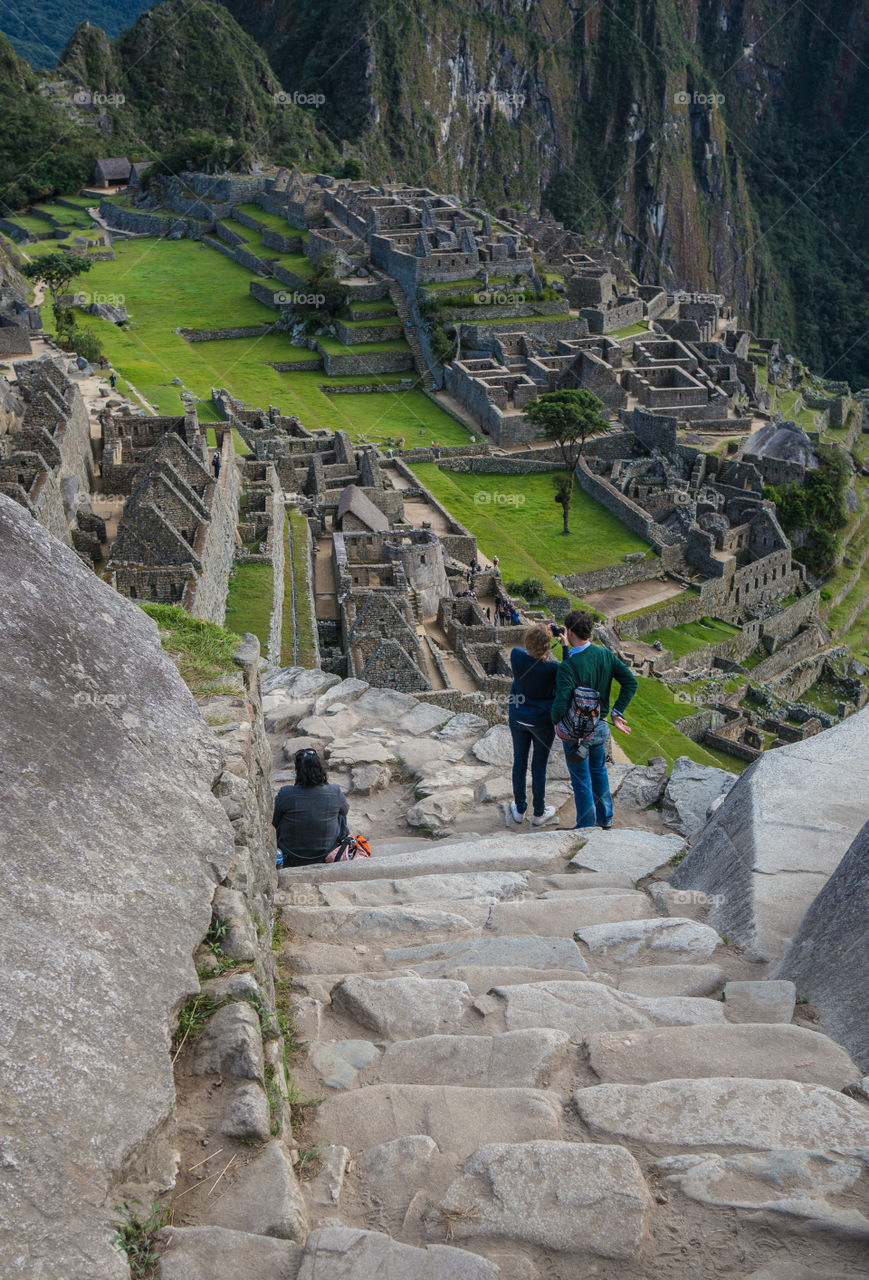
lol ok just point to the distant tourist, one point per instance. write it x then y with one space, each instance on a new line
400 444
310 816
112 380
530 719
494 562
591 668
437 450
215 464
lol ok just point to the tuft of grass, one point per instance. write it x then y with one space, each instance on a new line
202 651
136 1235
192 1018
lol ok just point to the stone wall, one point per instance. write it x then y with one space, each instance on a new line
616 575
499 466
14 340
482 334
389 331
215 335
619 505
347 365
218 551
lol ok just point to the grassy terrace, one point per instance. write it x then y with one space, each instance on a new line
334 347
630 329
169 284
271 221
651 715
516 518
689 636
202 650
296 569
383 306
249 602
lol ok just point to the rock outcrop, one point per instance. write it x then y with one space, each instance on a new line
113 842
828 959
779 834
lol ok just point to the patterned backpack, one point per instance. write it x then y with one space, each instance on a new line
582 716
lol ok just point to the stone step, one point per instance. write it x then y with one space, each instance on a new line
635 853
339 1253
582 1009
673 980
564 1197
402 1008
748 1050
542 852
417 889
479 979
527 950
521 1059
561 913
346 925
667 940
745 1114
458 1119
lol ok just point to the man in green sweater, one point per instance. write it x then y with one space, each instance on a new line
594 667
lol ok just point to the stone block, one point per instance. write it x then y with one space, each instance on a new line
230 1044
213 1253
566 1197
345 1253
750 1115
636 853
402 1007
767 1001
262 1197
669 941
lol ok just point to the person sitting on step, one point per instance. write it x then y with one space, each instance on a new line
310 816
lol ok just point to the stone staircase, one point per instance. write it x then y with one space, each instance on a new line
532 1069
420 363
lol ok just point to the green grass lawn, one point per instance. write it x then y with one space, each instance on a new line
691 635
271 221
297 567
651 716
630 329
383 306
517 519
249 602
169 284
334 347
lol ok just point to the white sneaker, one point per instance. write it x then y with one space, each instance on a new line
514 813
546 816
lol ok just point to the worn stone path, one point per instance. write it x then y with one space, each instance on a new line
529 1061
526 1056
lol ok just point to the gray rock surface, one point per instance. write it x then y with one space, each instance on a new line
643 785
247 1115
580 1008
112 838
564 1196
829 960
263 1197
636 853
397 1169
779 834
492 885
338 1062
672 939
562 913
367 778
522 1059
407 1007
463 725
673 980
424 718
530 951
795 1184
383 708
343 1253
373 924
230 1044
440 808
457 1119
768 1001
752 1115
691 789
213 1253
751 1051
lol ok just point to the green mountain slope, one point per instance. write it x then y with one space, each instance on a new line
584 108
39 29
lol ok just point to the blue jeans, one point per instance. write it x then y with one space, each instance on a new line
591 786
539 734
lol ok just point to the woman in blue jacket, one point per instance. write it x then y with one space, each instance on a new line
530 720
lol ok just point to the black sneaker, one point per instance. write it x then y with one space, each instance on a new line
606 826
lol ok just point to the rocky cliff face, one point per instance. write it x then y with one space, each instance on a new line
713 143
